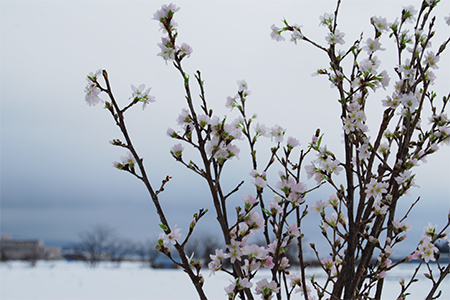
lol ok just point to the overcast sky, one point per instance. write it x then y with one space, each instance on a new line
56 163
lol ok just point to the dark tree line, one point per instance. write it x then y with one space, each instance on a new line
102 243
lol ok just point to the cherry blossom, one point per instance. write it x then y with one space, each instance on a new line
393 102
230 290
327 263
364 151
429 231
173 236
165 12
249 200
293 230
277 133
184 119
266 288
373 45
401 226
326 19
255 252
431 60
376 189
92 92
408 13
243 87
296 35
185 50
297 193
259 180
379 208
319 207
336 37
128 159
261 129
384 79
295 280
274 207
426 250
275 34
231 102
243 283
284 264
140 95
333 201
292 143
409 101
177 151
235 250
380 23
167 49
254 221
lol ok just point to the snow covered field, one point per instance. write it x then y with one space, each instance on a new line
63 280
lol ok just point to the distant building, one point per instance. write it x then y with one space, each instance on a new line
26 250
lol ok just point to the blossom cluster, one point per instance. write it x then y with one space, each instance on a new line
323 166
221 135
128 162
426 250
92 89
142 95
355 120
169 50
252 257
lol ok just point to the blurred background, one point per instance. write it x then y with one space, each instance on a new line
57 178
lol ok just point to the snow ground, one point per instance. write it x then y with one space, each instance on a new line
62 280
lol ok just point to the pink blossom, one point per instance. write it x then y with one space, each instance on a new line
336 37
261 129
243 283
268 262
230 290
255 251
372 46
277 133
260 180
254 221
167 49
185 50
274 207
294 231
275 34
429 231
92 91
319 207
426 250
284 264
295 279
173 236
380 23
140 95
249 200
128 159
214 265
177 150
266 288
327 262
292 142
165 12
